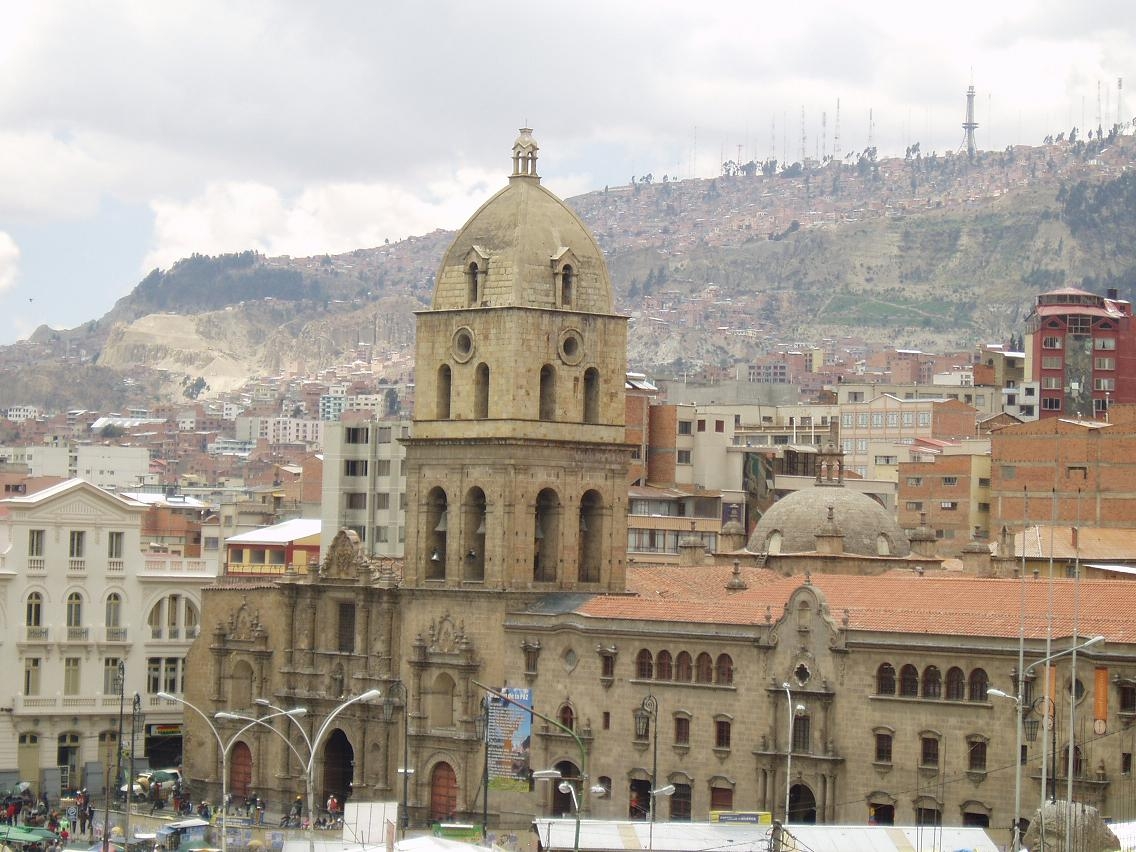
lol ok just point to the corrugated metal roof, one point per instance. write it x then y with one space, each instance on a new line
279 533
634 836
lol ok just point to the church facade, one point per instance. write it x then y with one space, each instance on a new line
829 666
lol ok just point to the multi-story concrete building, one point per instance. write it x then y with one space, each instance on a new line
892 420
84 603
106 466
1081 348
364 480
947 488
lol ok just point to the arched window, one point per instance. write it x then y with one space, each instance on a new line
956 684
773 542
567 717
74 610
473 285
473 535
664 668
684 667
33 613
704 669
724 670
567 284
114 610
591 395
437 525
885 679
590 551
546 536
481 392
644 665
883 545
978 684
442 403
547 393
1078 764
932 682
909 681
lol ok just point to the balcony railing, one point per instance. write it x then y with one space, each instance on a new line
78 634
76 566
37 565
36 634
116 634
176 566
116 566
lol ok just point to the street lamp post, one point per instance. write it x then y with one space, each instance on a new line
483 735
120 682
135 712
227 747
1020 710
388 712
500 696
313 744
648 715
789 745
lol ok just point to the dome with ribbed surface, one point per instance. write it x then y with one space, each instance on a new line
524 248
792 524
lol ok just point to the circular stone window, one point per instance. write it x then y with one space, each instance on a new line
462 345
571 347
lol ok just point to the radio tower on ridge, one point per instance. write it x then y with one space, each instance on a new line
970 124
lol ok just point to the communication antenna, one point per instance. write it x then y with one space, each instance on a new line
823 136
970 124
804 139
836 134
1119 98
871 129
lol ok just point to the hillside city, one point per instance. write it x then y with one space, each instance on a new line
260 532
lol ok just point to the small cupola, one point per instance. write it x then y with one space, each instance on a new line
524 155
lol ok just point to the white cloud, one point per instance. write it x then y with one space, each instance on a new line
9 261
325 218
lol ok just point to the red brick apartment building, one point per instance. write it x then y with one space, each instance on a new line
1081 350
1075 471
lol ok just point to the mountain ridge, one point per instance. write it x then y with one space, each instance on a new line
922 251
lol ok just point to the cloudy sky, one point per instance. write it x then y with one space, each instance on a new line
135 133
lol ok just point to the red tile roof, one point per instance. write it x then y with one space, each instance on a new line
898 602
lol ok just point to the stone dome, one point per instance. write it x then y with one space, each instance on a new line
792 523
524 248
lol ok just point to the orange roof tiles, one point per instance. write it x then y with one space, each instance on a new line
897 602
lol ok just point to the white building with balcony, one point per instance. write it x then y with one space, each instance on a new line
81 602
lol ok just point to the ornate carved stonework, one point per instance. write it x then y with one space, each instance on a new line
345 559
244 624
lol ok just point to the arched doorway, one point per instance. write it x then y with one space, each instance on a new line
562 802
338 766
802 805
443 793
240 771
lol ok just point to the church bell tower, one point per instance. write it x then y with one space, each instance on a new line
517 464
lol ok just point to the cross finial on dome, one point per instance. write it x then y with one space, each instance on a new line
525 154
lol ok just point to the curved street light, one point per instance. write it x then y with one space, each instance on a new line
560 727
225 748
312 743
1020 712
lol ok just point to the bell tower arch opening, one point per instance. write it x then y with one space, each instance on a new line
546 536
